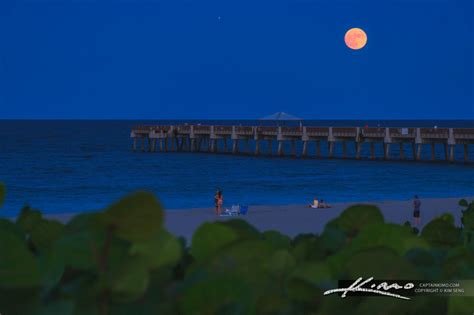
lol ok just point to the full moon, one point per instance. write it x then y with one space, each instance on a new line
355 38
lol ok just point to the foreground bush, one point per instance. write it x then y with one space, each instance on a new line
122 261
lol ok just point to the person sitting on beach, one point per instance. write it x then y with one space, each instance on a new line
322 204
315 203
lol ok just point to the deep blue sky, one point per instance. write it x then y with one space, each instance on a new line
177 59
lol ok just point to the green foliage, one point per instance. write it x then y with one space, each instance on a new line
467 218
463 203
128 280
209 238
460 305
277 239
63 307
356 217
441 232
45 232
218 295
163 249
122 261
380 263
243 229
136 217
28 218
11 228
307 247
18 267
396 237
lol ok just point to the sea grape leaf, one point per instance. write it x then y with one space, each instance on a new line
215 295
82 244
332 240
441 233
18 266
128 280
80 250
318 274
467 218
420 257
85 288
448 217
278 240
86 310
280 262
380 263
273 303
305 247
458 264
51 267
2 193
460 305
397 237
45 232
300 290
386 306
85 221
243 229
209 238
247 260
19 301
61 307
162 250
158 299
28 218
136 217
390 306
333 305
355 218
8 226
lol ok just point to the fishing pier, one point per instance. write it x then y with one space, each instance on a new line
418 144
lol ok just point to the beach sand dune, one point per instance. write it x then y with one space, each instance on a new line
297 219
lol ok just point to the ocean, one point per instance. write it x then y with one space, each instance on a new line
79 165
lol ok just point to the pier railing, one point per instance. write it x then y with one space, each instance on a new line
403 132
435 133
317 131
192 137
463 133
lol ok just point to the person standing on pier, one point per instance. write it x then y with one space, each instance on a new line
416 210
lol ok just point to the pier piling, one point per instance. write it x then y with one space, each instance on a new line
280 148
318 148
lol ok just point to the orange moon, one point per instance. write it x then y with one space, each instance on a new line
355 38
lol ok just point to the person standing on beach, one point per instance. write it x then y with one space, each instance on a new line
220 201
416 210
216 200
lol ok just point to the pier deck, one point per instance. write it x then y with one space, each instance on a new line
228 139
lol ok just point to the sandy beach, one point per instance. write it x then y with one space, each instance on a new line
296 219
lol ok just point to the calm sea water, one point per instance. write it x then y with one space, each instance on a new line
72 166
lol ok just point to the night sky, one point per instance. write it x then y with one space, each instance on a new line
236 59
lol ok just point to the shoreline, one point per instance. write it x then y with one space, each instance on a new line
298 219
